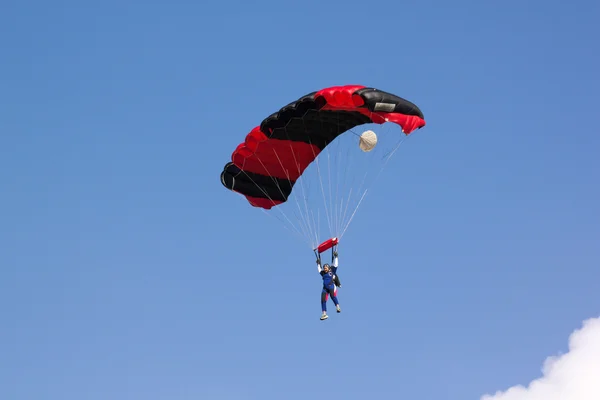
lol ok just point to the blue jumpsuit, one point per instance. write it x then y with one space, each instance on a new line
328 284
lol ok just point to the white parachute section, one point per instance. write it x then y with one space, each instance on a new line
327 196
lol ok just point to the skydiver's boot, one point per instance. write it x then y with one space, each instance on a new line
324 316
338 309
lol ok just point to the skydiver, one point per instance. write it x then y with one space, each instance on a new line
330 281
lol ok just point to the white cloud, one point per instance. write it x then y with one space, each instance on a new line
574 375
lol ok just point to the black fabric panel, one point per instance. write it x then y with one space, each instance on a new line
256 185
373 96
295 109
302 120
319 127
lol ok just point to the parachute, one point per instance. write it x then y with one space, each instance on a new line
277 155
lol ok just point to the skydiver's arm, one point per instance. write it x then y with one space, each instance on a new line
334 263
319 265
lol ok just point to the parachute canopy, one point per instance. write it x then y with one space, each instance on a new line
265 167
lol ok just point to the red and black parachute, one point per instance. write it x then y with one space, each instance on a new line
275 154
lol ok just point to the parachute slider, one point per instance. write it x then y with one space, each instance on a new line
326 245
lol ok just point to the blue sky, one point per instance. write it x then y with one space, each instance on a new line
128 271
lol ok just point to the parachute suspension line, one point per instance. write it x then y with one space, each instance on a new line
341 212
337 186
358 203
355 210
336 219
393 152
343 223
306 215
304 222
346 209
356 193
316 242
322 191
310 217
302 237
337 190
269 197
311 229
281 191
386 160
348 182
332 229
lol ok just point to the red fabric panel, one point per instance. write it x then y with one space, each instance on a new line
262 202
342 98
282 159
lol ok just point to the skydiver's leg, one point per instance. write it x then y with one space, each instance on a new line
333 297
333 294
324 296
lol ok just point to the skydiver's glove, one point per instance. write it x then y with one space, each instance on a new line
335 254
